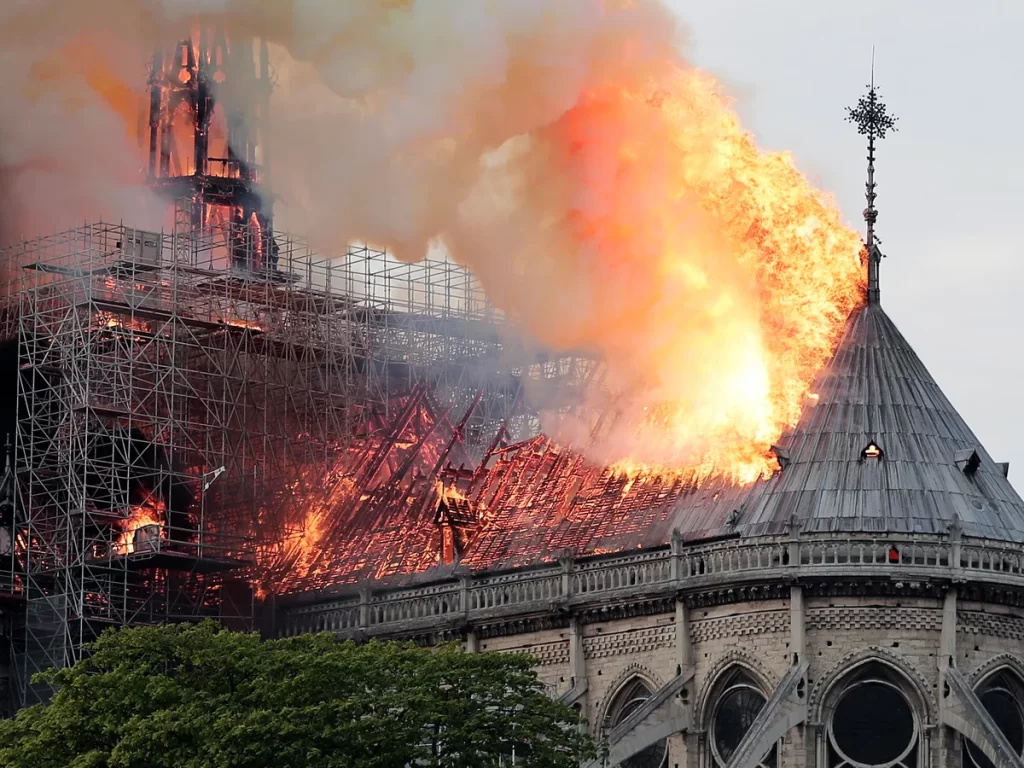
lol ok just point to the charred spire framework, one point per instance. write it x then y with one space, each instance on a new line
209 105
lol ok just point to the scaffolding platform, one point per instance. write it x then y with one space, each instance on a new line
169 560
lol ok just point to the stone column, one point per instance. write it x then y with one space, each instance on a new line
684 645
683 746
364 608
565 562
797 641
947 639
947 740
577 661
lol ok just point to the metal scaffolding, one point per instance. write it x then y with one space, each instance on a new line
171 406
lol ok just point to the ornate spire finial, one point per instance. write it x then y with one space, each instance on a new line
874 121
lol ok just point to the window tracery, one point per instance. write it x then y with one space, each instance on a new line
1002 695
738 702
630 698
873 723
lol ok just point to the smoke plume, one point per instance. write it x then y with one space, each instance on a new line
599 185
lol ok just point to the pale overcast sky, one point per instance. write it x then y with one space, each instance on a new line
951 181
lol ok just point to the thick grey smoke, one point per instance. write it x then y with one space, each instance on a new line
383 111
600 187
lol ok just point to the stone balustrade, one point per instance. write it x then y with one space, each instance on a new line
666 571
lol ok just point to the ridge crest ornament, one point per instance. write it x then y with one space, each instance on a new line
873 120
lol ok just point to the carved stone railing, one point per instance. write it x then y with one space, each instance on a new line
651 573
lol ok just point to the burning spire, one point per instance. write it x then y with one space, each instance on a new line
209 104
874 121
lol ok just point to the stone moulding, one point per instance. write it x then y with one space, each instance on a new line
1003 661
597 587
826 683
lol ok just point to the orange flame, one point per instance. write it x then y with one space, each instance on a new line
718 280
711 275
296 552
239 322
111 320
449 493
152 511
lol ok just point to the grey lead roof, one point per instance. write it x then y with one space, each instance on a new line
877 390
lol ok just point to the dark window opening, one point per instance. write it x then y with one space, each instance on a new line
873 725
739 704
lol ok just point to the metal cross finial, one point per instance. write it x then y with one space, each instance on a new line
874 121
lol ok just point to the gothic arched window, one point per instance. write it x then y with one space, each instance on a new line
873 723
630 698
738 702
1001 694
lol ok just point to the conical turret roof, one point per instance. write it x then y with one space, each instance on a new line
877 397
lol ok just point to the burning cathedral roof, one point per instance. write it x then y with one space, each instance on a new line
878 450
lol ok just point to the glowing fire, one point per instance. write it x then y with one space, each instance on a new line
152 512
111 320
448 493
238 322
710 275
717 279
298 551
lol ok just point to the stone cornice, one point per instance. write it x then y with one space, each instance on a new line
648 582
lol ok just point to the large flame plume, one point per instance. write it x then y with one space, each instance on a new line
720 279
599 185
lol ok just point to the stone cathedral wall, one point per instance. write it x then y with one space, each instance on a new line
653 646
756 636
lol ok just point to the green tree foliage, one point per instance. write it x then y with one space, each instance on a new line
202 697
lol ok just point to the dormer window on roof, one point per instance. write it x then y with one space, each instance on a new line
968 460
871 451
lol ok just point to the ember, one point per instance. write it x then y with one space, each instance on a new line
122 322
237 322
